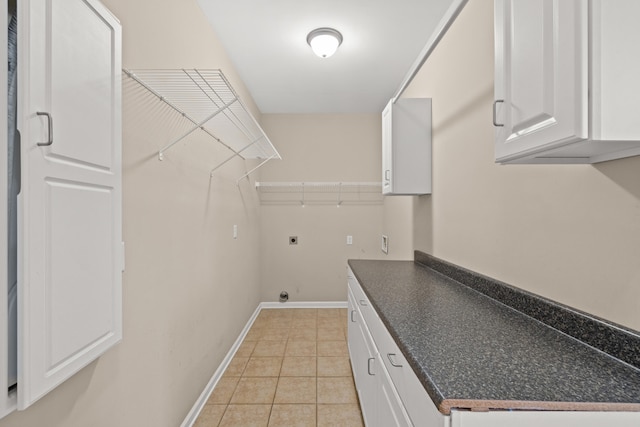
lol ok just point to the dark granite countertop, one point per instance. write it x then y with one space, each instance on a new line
471 351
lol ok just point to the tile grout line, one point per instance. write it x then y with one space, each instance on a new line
290 327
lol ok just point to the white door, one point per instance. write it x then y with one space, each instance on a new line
541 75
70 287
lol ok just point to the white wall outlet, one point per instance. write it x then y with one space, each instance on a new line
349 240
385 244
235 231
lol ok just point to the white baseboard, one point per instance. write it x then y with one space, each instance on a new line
304 304
204 396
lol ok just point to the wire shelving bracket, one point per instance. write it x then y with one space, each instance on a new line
206 99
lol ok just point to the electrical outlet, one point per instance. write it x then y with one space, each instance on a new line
349 240
235 231
385 244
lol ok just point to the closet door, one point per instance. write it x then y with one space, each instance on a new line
71 261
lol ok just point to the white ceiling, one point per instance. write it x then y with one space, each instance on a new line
266 40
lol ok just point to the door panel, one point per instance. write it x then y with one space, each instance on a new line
390 409
541 75
533 83
70 284
80 267
81 78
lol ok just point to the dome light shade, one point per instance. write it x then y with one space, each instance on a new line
324 41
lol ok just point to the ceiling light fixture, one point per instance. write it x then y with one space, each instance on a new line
324 41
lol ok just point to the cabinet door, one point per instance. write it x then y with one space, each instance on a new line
353 337
391 412
541 77
71 257
615 87
387 151
363 362
406 147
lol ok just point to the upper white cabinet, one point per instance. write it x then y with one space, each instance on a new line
566 86
70 251
406 147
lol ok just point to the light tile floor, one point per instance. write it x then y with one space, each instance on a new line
291 370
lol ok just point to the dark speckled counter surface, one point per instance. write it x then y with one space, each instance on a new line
471 351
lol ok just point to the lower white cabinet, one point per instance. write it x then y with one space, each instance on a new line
389 392
379 400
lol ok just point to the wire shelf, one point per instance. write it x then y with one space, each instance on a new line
206 99
305 193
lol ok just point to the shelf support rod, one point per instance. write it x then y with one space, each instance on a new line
197 126
235 153
254 169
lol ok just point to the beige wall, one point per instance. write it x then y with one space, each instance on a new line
570 233
321 148
189 288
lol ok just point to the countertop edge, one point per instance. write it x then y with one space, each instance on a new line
486 405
